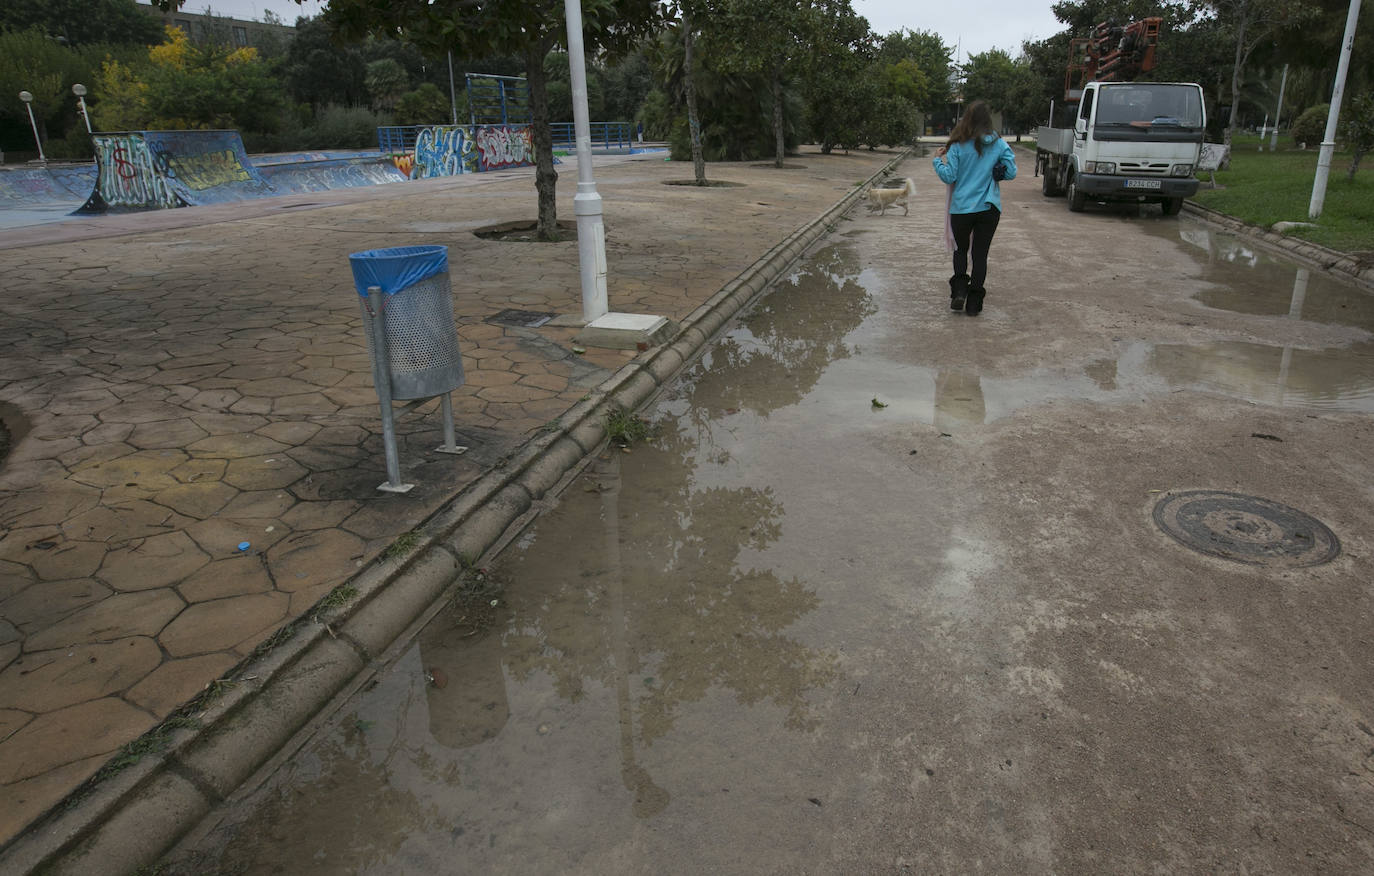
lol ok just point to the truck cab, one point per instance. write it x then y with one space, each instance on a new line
1131 141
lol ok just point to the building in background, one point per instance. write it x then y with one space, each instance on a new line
203 27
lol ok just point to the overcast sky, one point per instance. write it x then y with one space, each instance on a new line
972 27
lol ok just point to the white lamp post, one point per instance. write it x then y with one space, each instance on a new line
591 232
1314 209
80 91
28 104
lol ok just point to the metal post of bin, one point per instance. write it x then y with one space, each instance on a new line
381 379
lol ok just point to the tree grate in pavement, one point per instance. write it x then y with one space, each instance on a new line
1246 529
520 318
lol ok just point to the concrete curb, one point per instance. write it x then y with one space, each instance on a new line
1330 260
130 819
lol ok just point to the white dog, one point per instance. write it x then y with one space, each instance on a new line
881 198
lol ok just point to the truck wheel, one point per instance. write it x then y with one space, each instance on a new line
1076 198
1172 206
1047 186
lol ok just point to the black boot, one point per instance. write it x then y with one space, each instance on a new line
974 305
958 291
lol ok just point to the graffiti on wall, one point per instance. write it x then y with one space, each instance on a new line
128 174
150 170
448 150
500 146
443 150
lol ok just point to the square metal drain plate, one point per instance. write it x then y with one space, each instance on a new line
520 318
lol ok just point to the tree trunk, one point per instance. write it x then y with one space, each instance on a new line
545 177
689 85
777 117
1243 15
1355 164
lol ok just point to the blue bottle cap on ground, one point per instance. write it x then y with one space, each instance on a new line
243 545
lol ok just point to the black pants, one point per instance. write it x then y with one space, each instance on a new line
979 228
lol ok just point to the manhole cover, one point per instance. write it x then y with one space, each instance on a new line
520 318
1246 529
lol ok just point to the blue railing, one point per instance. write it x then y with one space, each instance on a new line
605 135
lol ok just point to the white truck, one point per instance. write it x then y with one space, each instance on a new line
1131 141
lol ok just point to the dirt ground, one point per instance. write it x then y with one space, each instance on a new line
886 594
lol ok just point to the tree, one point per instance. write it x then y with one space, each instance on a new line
81 22
761 36
386 80
1251 23
528 28
841 93
928 52
1357 129
184 85
426 105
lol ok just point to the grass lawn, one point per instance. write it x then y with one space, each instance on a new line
1266 187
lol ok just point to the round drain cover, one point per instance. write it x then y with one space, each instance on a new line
1246 529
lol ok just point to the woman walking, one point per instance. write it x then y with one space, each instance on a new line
971 163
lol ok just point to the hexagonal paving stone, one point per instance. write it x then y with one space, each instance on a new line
66 559
11 721
291 432
167 433
383 520
264 472
107 433
44 681
124 519
235 576
45 604
306 404
49 506
91 401
275 387
15 579
221 536
222 423
160 561
70 734
236 446
211 400
222 623
176 682
194 470
329 457
25 801
118 617
310 558
146 468
141 412
198 500
318 515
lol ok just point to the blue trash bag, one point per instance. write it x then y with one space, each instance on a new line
396 268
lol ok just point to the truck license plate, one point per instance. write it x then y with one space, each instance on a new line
1143 184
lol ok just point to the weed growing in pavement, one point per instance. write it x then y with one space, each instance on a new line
624 427
402 545
337 597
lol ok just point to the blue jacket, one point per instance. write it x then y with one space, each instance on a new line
971 174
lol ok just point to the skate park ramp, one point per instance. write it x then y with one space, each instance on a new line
150 170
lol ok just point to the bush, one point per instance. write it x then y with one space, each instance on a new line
344 127
1311 125
426 105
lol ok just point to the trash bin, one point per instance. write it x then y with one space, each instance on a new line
411 338
422 358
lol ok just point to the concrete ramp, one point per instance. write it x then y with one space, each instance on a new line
154 170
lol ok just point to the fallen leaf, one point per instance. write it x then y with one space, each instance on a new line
878 404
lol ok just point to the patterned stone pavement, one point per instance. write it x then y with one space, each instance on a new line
177 383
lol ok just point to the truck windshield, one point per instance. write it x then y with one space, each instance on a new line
1145 105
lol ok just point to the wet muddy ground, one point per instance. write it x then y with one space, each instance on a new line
884 594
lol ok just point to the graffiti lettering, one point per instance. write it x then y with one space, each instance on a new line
127 176
207 169
500 146
443 150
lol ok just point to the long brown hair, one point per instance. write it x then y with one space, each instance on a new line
973 125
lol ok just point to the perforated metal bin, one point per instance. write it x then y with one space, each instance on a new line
422 356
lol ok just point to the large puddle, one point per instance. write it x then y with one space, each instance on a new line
692 648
